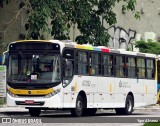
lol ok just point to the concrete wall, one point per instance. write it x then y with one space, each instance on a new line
126 27
147 27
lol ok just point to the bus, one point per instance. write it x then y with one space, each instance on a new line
158 86
54 74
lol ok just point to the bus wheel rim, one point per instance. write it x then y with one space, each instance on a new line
129 105
79 106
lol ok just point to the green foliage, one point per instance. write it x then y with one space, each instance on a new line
85 15
152 124
148 47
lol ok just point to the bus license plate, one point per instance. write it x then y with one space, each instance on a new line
29 101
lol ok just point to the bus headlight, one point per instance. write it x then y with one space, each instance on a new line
11 94
53 93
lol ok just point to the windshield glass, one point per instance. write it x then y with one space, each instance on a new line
34 68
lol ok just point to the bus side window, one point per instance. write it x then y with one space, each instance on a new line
95 67
150 69
107 65
119 66
141 68
131 67
82 63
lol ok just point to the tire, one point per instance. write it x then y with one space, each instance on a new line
89 111
35 112
78 110
128 107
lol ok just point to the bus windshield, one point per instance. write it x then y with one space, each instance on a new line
28 68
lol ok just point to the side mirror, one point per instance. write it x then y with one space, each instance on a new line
5 58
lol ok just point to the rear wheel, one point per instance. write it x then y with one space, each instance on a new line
128 107
78 110
34 112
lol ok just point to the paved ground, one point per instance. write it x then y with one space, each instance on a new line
103 117
151 108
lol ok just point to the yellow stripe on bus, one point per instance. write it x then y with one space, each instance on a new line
31 92
75 87
80 46
110 88
146 89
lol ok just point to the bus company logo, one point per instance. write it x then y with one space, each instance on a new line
120 84
29 92
124 85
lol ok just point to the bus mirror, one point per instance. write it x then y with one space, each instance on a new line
4 58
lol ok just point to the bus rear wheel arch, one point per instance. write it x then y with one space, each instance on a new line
128 109
81 105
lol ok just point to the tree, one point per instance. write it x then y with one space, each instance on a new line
85 15
148 47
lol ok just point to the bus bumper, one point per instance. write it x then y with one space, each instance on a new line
40 102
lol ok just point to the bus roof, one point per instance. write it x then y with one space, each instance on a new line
71 44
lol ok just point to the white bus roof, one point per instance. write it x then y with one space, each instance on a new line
69 43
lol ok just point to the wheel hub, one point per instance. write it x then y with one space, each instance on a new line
79 106
129 105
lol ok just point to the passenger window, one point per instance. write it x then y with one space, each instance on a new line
131 67
108 65
82 63
120 66
141 68
95 64
150 69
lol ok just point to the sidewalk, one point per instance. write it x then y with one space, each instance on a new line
151 108
5 108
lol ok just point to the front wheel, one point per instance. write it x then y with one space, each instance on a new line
78 110
128 107
35 112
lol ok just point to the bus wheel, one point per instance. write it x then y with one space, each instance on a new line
34 112
128 107
77 112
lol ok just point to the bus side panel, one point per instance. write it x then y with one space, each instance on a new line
88 84
106 89
122 88
150 92
70 94
138 92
